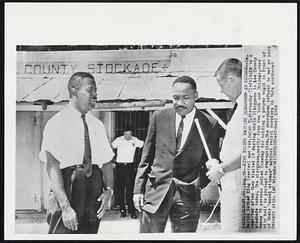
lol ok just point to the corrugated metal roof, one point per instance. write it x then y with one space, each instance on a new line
112 88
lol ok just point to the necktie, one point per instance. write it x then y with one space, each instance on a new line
87 161
179 133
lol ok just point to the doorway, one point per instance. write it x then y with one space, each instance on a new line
138 122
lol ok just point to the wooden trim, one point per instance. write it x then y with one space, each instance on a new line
127 106
38 179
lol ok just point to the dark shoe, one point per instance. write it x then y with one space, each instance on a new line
123 214
133 216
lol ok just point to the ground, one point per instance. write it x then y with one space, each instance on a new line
28 222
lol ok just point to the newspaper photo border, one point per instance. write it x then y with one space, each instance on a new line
236 28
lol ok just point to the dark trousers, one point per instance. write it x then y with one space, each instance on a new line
184 215
125 182
82 193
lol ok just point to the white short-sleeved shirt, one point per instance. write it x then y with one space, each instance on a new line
63 137
232 148
231 196
126 148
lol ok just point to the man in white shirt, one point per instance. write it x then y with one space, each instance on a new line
126 146
74 147
229 77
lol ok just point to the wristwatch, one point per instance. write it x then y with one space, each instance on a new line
108 188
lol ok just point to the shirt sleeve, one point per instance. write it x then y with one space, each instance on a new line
233 141
115 143
52 142
139 143
42 153
49 142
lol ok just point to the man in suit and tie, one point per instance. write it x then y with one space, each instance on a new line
172 170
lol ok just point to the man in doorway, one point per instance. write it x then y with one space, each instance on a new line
126 146
227 170
172 170
74 147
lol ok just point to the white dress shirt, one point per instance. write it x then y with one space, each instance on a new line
187 124
63 137
126 148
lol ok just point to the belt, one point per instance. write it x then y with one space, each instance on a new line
124 164
80 166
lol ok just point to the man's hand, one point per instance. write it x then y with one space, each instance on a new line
210 163
138 200
68 214
214 173
69 218
104 198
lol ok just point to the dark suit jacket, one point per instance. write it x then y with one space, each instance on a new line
160 162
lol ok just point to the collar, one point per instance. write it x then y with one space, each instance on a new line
188 116
75 111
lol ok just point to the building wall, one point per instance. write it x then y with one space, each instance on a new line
27 164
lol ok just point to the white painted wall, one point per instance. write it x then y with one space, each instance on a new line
27 163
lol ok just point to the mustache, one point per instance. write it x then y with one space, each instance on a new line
179 106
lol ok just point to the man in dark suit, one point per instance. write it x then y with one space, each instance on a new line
172 170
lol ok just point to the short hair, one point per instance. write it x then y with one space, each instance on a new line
127 128
186 80
76 81
230 65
